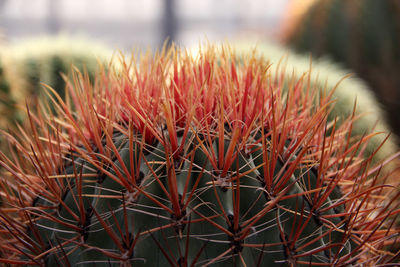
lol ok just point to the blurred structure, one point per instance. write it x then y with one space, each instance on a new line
141 23
25 66
363 35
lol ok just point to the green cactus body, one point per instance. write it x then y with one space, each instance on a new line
362 35
186 235
183 161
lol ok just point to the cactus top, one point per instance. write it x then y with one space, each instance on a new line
182 160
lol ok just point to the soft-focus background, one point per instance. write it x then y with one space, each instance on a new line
39 39
125 24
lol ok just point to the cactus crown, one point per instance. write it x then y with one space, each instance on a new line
180 160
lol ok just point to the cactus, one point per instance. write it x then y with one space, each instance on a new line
6 101
32 62
363 35
190 161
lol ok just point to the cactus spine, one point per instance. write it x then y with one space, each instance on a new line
183 161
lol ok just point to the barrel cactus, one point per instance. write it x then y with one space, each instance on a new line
6 100
175 160
361 34
31 62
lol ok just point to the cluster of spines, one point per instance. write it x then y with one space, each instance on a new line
150 126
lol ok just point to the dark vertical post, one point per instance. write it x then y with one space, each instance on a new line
169 22
53 20
2 2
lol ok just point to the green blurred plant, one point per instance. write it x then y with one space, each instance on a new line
362 34
33 62
7 103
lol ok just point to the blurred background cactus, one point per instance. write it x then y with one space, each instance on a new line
7 103
349 91
31 63
364 35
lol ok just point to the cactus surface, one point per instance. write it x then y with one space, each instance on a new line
172 160
362 34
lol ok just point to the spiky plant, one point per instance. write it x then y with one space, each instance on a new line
6 100
32 62
325 73
361 34
182 161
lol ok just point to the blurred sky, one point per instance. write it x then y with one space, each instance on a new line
141 23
